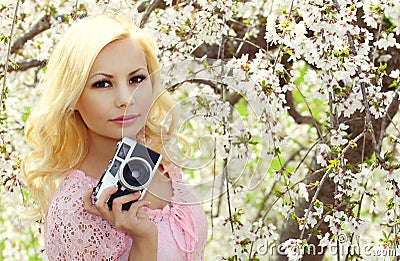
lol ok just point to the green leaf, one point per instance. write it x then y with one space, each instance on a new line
390 204
376 8
394 84
4 39
382 68
387 156
242 108
278 193
26 113
14 65
334 163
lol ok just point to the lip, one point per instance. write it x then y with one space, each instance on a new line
125 119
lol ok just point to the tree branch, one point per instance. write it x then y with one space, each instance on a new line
25 65
150 8
298 118
42 25
387 119
3 87
231 97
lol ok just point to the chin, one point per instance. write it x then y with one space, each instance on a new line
131 133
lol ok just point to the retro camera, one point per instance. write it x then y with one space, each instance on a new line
131 169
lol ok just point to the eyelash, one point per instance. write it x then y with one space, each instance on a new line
101 83
142 78
133 80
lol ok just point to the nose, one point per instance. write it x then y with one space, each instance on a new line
124 96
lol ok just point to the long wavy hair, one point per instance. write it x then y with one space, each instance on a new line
56 131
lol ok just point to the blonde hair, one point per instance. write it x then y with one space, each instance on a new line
56 132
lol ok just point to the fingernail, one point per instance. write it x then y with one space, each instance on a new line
90 186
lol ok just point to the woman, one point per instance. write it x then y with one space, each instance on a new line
102 83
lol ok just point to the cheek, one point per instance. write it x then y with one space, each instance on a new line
144 96
84 102
91 108
78 105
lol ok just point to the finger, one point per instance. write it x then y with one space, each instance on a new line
140 212
137 207
119 201
87 199
105 195
127 198
143 203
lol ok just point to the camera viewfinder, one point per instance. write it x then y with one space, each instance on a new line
123 151
115 166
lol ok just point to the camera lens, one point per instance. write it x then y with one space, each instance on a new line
136 173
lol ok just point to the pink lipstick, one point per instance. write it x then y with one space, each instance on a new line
125 120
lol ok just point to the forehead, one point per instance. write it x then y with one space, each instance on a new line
126 53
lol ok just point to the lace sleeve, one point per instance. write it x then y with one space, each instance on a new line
71 233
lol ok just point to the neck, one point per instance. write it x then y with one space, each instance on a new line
100 152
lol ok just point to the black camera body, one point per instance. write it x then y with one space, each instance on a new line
131 169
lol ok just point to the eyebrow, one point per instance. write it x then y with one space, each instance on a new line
110 75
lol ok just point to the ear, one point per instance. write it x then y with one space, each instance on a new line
77 106
73 110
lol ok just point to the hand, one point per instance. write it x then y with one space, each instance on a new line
133 221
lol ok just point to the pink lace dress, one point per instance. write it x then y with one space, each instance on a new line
71 233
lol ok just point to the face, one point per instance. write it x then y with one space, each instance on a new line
118 94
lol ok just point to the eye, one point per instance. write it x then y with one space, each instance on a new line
137 79
102 84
